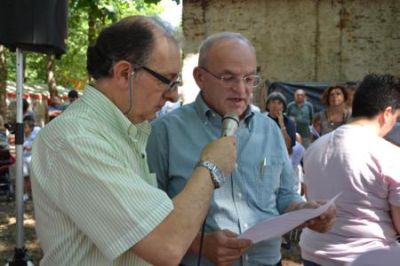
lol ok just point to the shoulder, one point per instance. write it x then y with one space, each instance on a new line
263 118
178 117
318 145
291 104
308 104
67 129
384 147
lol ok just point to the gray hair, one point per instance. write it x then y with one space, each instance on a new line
276 96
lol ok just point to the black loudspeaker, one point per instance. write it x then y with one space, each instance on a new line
34 25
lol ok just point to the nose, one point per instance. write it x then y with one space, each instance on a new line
171 95
239 85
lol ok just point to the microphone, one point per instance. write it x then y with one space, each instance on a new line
230 123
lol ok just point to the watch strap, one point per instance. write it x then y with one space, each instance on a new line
210 167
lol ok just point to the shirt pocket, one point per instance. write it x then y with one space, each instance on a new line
265 185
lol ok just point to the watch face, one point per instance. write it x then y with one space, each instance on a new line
218 176
217 172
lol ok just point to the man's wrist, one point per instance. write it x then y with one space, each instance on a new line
216 174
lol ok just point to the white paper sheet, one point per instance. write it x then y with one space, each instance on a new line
282 224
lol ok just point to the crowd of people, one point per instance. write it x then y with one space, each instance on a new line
111 188
31 127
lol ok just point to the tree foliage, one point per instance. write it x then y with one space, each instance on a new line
86 18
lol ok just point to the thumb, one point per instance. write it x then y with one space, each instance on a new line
228 233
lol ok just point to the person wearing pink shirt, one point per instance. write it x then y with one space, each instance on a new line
358 162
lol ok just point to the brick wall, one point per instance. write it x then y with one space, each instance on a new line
305 40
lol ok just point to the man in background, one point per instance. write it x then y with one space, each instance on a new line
302 113
73 95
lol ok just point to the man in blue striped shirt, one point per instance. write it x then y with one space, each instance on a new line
261 186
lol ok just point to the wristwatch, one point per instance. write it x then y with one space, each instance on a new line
217 177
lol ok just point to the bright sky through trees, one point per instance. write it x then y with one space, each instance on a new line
172 12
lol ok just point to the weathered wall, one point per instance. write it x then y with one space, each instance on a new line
305 40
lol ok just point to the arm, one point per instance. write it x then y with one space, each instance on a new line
137 215
285 134
287 139
168 242
395 217
221 247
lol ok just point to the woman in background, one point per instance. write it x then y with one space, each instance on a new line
276 106
336 112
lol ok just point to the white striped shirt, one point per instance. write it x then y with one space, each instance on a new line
94 196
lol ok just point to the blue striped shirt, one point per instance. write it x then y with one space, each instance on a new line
261 187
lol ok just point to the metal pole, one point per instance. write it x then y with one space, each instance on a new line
18 150
20 257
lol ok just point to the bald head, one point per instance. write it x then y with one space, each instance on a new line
217 38
299 96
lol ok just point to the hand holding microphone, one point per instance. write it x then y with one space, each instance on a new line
222 152
230 123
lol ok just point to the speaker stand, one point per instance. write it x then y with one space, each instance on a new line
20 256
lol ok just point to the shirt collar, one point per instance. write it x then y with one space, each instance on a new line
107 110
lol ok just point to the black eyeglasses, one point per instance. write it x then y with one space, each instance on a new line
172 85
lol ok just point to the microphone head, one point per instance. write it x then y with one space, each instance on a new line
230 123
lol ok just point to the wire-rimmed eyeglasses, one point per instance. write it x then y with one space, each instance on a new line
172 84
251 80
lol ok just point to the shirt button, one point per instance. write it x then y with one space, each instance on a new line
132 130
239 195
245 225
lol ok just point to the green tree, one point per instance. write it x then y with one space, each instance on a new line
3 82
85 20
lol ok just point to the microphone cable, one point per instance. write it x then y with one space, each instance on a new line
201 242
230 123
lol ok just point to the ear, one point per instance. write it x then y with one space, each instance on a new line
121 72
387 115
198 77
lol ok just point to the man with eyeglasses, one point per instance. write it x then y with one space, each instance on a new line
260 187
96 203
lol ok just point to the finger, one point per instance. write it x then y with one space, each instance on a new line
245 243
226 253
229 233
235 243
228 260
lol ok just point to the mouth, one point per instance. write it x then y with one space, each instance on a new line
236 100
